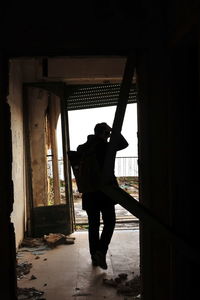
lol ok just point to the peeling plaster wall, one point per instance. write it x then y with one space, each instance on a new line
38 102
16 107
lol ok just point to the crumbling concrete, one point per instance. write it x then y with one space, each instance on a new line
46 242
23 269
55 239
29 293
130 288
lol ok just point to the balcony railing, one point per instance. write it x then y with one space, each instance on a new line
124 167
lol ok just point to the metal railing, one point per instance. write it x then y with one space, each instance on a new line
124 167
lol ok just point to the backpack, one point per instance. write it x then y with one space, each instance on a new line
86 170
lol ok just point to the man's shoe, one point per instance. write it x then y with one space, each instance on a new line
101 260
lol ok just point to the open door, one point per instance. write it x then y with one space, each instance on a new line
47 211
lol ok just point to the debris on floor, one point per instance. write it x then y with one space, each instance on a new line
22 269
109 282
32 242
39 245
124 286
33 277
29 294
35 251
55 239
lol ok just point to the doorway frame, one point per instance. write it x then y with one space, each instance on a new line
57 88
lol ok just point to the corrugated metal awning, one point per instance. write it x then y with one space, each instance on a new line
94 96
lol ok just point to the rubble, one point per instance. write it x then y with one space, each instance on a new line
110 282
32 242
23 269
38 245
135 285
124 286
55 239
33 277
69 241
37 250
29 293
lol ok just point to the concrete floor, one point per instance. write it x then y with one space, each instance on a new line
66 272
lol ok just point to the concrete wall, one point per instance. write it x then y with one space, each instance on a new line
37 105
83 70
16 107
19 72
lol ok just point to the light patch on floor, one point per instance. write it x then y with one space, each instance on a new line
66 272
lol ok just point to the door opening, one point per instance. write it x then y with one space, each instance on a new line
43 124
51 211
126 163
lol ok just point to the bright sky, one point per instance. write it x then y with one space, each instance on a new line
82 122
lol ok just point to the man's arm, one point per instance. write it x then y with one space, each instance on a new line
122 143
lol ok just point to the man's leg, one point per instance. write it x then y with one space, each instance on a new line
93 230
108 216
109 220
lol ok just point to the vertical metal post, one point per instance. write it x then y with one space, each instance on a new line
67 171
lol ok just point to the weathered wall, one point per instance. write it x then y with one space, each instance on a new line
8 281
37 106
20 71
16 106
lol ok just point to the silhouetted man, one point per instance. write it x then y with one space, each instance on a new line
97 202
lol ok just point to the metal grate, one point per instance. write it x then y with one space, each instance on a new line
93 96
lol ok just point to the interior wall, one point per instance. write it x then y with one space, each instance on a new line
8 281
15 101
19 71
37 100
